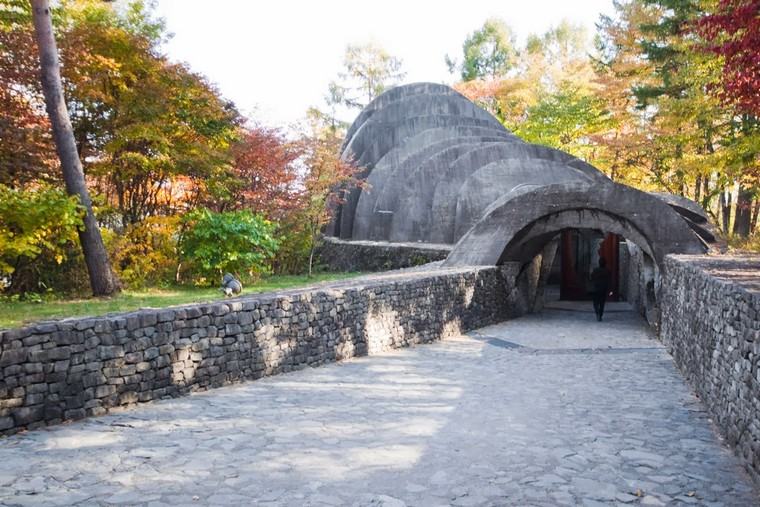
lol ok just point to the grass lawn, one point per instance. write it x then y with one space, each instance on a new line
14 314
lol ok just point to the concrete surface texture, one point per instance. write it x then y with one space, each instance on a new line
539 411
435 163
517 225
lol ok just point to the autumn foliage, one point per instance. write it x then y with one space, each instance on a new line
157 141
264 166
665 98
733 32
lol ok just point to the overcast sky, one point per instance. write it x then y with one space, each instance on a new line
274 59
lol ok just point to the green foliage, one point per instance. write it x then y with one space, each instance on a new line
488 52
146 254
295 245
564 120
237 242
748 244
368 70
42 222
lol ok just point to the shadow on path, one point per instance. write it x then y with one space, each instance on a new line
553 409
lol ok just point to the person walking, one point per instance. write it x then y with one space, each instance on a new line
600 286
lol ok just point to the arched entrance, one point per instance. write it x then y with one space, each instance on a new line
520 231
517 226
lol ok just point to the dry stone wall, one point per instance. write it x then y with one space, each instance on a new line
58 371
370 256
710 313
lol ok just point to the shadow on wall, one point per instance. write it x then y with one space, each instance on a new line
68 370
644 285
334 325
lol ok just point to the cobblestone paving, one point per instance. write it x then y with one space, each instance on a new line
545 410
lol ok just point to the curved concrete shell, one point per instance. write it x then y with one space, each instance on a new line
489 183
388 181
377 139
442 170
410 153
418 106
517 226
394 94
451 181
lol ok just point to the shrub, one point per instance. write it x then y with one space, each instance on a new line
295 245
749 244
237 242
147 253
38 232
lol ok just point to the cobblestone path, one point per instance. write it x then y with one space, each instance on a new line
554 409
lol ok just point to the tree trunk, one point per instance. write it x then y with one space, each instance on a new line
102 280
725 209
311 259
705 201
313 231
743 213
755 213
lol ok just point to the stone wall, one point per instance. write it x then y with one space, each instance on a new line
65 370
642 284
710 314
371 256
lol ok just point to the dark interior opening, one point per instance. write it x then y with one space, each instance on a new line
578 254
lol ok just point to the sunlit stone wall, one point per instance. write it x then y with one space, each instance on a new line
65 370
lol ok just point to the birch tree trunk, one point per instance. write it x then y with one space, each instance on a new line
102 280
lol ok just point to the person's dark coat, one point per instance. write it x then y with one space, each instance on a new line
600 280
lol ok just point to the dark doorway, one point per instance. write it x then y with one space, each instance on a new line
580 250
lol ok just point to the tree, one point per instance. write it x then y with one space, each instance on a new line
559 57
265 173
565 120
672 131
234 241
35 225
733 32
703 134
154 135
27 153
627 149
507 80
368 70
102 279
326 180
487 53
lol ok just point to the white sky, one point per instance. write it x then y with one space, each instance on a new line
274 58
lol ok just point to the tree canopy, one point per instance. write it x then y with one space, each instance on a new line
665 99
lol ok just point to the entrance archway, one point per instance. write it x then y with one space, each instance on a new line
518 230
517 226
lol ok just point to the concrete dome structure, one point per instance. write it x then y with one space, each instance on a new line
441 170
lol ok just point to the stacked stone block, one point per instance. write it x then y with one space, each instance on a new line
58 371
711 324
372 256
